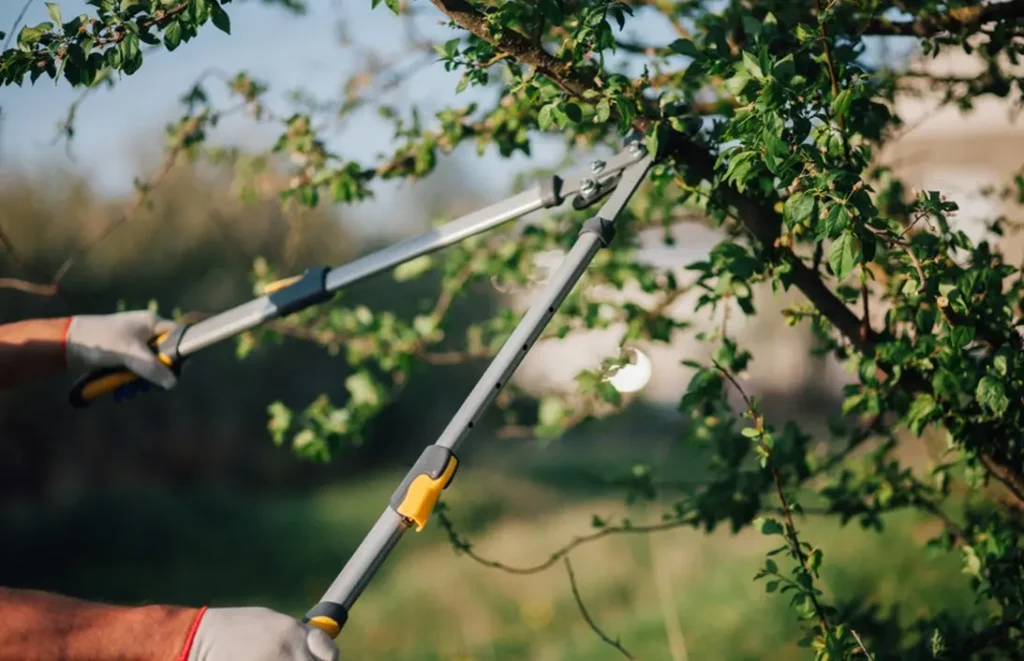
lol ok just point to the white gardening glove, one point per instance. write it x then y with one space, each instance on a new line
119 340
256 634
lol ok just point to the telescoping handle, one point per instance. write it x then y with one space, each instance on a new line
414 500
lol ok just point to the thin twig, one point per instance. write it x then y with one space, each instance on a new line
1007 478
833 78
464 546
17 22
28 287
861 644
586 616
787 509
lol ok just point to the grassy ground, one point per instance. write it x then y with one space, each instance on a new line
674 595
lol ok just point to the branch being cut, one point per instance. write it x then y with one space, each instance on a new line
758 217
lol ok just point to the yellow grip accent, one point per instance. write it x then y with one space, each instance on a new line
422 495
111 381
280 284
325 624
107 384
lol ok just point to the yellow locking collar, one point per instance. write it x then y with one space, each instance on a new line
419 492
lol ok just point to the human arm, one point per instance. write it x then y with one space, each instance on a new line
31 350
39 348
37 626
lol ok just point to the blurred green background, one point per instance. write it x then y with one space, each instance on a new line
183 498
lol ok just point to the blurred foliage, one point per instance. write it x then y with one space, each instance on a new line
792 114
213 431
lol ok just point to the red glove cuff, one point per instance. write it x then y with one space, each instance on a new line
183 656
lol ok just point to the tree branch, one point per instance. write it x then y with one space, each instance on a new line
464 546
17 22
1007 477
960 20
757 216
586 616
792 536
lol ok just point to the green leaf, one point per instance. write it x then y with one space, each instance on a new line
784 69
751 432
573 112
798 208
921 412
30 35
362 388
451 48
805 33
841 104
393 5
738 83
53 9
655 138
627 111
551 411
220 17
836 221
685 47
999 363
603 111
414 268
991 394
751 26
962 336
945 384
280 421
609 393
424 324
843 254
768 526
752 66
131 59
559 116
172 35
544 117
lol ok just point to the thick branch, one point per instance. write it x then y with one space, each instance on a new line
517 45
961 20
757 216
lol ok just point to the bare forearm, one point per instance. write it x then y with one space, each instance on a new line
31 350
37 626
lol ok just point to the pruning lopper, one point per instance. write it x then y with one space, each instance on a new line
418 493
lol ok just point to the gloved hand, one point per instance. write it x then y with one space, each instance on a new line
119 340
255 634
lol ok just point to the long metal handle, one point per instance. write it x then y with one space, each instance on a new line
313 287
316 285
258 311
419 492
